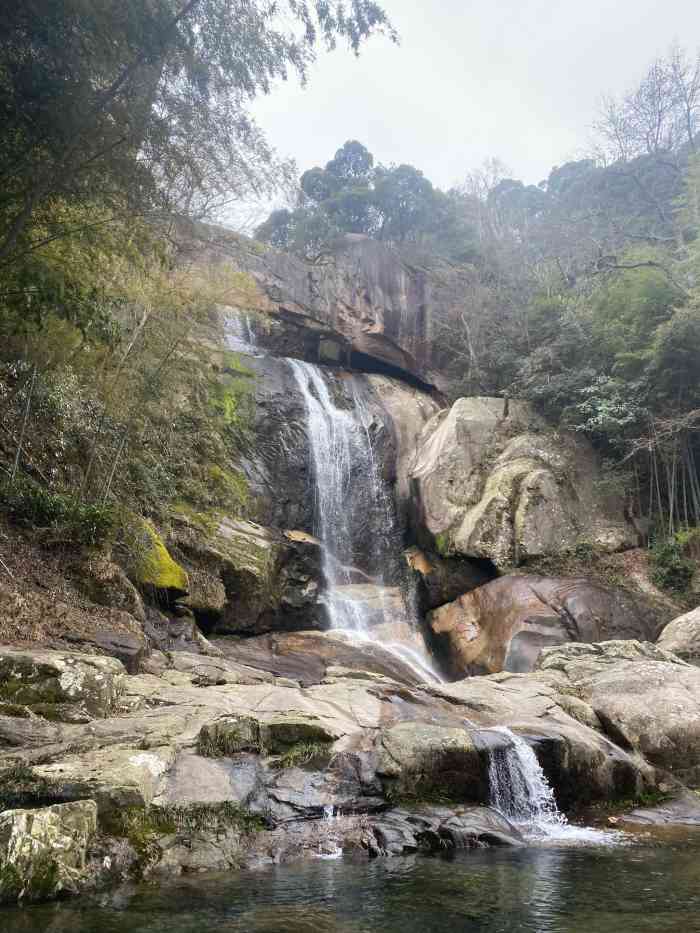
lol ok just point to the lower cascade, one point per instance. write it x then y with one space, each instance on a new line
355 518
519 789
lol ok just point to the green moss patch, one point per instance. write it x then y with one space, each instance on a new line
157 568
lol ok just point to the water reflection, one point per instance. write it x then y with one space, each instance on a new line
631 889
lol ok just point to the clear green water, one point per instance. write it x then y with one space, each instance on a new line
630 889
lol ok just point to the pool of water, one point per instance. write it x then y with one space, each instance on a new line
650 885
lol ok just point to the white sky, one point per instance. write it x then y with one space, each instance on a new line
516 79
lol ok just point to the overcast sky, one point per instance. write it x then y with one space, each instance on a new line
516 79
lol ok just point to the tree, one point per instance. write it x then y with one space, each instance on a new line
145 103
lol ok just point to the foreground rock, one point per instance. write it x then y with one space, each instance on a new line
60 686
237 759
244 578
647 700
504 624
682 637
495 481
43 853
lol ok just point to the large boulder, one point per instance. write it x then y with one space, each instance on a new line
492 480
43 852
419 759
504 624
58 685
245 578
443 579
646 699
682 637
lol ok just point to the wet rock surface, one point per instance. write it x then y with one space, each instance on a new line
228 759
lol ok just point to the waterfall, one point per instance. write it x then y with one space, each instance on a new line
519 788
240 336
354 515
520 791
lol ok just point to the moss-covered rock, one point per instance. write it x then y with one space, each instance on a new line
43 852
59 685
497 482
245 578
157 568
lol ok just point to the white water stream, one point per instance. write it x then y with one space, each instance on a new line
521 792
354 517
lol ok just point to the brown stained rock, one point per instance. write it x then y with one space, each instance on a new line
443 579
504 624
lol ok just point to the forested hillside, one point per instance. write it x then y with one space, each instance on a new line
582 293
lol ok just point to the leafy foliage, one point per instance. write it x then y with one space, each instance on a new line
395 204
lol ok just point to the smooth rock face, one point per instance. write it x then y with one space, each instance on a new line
504 624
420 758
43 852
60 685
247 578
504 486
364 300
682 637
311 657
647 699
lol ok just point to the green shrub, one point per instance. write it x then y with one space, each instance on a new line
28 503
672 569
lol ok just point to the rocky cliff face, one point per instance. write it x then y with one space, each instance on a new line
362 305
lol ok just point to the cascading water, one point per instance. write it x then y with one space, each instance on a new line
520 791
240 336
354 515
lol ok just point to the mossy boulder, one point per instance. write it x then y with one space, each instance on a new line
58 685
43 852
245 578
157 569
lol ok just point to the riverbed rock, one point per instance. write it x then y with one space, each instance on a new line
436 829
43 852
647 700
680 808
245 578
63 686
422 759
311 657
492 480
504 624
682 637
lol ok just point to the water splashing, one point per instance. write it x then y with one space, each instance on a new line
521 792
